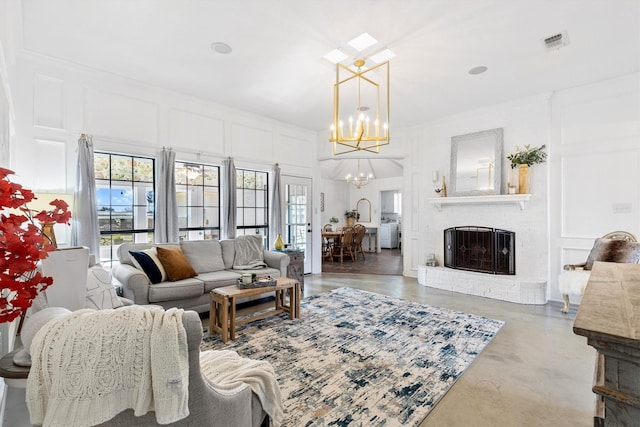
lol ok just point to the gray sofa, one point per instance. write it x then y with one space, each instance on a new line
213 260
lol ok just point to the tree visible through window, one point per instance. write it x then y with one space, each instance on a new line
125 201
198 196
252 190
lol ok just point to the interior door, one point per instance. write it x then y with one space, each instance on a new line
298 216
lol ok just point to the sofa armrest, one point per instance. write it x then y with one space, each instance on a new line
278 260
135 284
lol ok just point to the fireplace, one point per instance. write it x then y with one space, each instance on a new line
481 249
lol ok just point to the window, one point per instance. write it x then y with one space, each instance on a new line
252 201
125 201
198 196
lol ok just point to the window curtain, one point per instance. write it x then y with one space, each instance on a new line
166 229
85 230
229 199
276 223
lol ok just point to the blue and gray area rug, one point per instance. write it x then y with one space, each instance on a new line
357 358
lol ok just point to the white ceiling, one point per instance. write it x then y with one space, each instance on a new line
276 68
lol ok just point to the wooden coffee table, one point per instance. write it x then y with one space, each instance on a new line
222 313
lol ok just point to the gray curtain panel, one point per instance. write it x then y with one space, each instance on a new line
85 230
229 199
276 223
166 229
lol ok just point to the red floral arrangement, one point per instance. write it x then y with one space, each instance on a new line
22 245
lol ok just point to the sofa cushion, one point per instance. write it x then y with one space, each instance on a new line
611 250
180 289
228 252
218 279
175 263
203 255
101 294
148 261
123 251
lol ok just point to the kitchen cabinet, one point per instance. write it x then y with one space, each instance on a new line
389 236
386 199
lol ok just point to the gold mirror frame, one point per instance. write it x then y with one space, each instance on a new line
364 211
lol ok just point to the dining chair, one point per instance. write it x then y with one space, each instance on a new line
358 237
342 246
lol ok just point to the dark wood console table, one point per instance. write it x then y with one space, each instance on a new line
609 316
295 270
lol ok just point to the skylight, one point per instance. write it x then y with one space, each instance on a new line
335 56
362 42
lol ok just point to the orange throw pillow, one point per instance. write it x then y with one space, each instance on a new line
175 264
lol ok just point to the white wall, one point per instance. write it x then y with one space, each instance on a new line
55 102
595 167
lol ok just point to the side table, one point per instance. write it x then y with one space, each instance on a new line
14 375
295 270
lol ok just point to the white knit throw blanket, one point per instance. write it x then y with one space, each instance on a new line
90 365
227 372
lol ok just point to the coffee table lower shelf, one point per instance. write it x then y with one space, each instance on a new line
222 313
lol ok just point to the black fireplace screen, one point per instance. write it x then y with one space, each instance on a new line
482 249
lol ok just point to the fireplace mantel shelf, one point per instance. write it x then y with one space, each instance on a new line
498 199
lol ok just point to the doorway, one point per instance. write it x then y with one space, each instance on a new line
391 221
298 219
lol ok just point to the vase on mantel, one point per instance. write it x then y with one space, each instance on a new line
523 179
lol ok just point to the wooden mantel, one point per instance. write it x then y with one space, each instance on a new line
498 199
609 316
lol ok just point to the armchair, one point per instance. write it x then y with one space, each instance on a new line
617 246
207 406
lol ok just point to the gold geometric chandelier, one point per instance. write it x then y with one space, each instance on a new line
360 108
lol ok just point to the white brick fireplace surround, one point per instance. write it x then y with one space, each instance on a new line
529 222
506 288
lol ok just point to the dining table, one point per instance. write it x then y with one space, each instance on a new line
330 237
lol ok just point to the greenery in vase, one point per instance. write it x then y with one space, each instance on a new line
352 214
527 156
333 220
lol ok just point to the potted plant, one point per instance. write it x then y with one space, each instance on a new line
523 158
352 216
22 245
333 220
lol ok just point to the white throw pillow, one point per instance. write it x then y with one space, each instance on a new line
101 294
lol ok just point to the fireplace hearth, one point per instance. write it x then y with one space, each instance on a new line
480 249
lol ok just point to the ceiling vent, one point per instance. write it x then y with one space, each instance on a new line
556 41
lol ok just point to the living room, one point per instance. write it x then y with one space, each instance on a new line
579 100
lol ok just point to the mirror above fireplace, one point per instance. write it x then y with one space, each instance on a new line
476 163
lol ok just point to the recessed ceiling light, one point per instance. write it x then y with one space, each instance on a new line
362 42
383 55
335 56
478 70
220 47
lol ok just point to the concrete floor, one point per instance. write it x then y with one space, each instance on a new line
535 372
